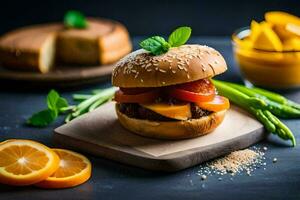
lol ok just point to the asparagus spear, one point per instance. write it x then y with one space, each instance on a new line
278 109
238 97
276 97
271 123
270 95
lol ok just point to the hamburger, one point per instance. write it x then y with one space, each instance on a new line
170 96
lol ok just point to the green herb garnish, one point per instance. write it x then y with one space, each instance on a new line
55 104
75 19
58 105
42 118
180 36
158 45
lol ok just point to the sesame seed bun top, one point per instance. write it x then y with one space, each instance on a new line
179 65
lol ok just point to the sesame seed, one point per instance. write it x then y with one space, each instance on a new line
173 71
142 80
180 67
163 71
203 177
265 148
163 82
274 160
246 160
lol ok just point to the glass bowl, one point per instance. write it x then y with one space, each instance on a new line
271 69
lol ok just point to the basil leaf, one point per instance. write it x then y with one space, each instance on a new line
52 99
75 19
55 102
156 45
61 103
180 36
42 118
55 105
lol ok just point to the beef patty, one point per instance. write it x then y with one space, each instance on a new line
134 110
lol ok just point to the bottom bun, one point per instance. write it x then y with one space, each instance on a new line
174 129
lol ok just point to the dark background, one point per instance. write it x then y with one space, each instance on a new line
148 17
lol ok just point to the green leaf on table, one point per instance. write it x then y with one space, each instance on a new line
55 104
156 45
61 103
75 19
52 99
42 118
180 36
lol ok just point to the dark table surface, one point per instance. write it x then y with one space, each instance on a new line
112 180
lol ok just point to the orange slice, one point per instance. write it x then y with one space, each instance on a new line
74 169
25 162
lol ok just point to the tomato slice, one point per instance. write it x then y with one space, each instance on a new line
196 91
146 97
190 96
217 104
203 87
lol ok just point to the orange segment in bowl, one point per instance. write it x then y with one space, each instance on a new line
25 162
255 29
74 169
267 39
281 18
292 44
293 29
287 31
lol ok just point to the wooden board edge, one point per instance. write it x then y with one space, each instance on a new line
127 156
167 163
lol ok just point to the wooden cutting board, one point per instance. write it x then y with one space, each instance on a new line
60 76
100 133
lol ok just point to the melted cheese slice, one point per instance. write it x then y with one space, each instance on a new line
179 111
